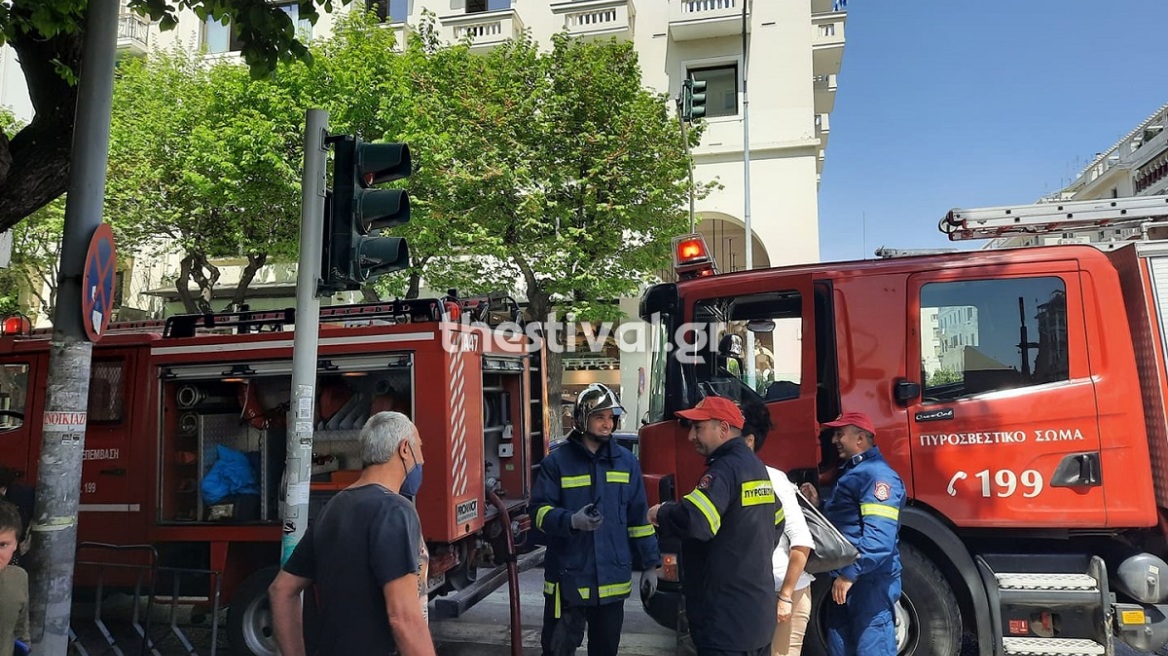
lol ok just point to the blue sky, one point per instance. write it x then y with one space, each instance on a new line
977 103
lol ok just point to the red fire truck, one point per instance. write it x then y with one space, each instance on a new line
1020 394
167 401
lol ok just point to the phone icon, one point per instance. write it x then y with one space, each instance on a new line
953 481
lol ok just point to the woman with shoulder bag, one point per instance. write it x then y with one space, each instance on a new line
792 583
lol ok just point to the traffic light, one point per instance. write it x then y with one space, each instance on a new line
353 251
693 99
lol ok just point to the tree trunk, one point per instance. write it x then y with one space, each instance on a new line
415 285
539 308
34 164
182 286
369 293
205 281
254 262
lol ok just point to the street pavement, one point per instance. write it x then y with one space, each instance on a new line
485 628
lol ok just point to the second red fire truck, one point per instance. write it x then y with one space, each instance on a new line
1020 394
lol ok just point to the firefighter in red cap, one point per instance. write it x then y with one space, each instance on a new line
865 506
729 527
590 501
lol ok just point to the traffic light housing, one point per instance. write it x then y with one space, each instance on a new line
693 99
354 252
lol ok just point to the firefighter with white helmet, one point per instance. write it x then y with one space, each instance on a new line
590 501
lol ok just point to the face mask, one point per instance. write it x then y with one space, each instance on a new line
413 480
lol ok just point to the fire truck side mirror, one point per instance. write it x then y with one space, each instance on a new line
905 390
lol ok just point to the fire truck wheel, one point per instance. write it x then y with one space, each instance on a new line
249 618
928 620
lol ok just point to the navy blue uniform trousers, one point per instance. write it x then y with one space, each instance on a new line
866 624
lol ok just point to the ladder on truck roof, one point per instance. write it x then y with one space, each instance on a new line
1042 218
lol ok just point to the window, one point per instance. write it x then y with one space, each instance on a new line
773 322
13 395
107 399
994 335
721 89
397 11
220 38
479 6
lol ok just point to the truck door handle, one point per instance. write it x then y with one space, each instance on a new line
905 390
114 471
1078 470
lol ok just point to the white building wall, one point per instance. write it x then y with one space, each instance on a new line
13 91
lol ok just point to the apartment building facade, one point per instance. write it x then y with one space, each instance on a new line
1136 165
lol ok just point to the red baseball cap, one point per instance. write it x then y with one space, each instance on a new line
715 407
857 419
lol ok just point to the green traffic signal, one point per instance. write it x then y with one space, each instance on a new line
693 99
354 253
381 255
697 99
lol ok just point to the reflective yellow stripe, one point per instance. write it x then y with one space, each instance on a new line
641 531
616 589
779 516
549 588
756 493
585 593
543 510
616 477
576 481
707 508
880 510
557 603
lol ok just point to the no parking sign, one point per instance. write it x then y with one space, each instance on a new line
97 285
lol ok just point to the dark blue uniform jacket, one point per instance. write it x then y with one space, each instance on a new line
593 567
865 506
729 526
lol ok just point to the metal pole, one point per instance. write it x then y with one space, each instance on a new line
54 521
746 187
689 158
298 467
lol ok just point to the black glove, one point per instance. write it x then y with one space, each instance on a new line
587 518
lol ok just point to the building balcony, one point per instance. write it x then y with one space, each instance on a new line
822 129
827 42
825 88
705 19
484 29
597 18
133 34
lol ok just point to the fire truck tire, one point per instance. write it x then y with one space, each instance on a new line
928 617
249 618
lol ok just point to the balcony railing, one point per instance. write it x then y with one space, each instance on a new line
597 18
484 29
703 19
827 42
133 33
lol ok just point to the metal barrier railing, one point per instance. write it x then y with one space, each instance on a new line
147 575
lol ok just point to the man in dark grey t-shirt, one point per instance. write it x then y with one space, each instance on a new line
365 557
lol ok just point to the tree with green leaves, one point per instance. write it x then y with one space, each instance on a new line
204 161
47 37
567 173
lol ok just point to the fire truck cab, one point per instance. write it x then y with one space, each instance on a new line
1019 393
171 406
